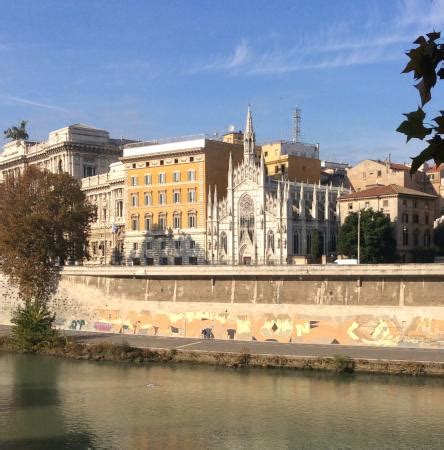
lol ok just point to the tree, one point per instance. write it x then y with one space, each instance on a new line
427 64
438 236
44 221
315 249
378 244
15 133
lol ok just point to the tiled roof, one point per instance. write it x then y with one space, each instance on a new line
384 191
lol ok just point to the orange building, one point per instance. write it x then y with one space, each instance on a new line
293 160
167 186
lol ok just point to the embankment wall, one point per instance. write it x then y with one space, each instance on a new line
396 305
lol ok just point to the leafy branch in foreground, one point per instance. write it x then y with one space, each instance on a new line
427 64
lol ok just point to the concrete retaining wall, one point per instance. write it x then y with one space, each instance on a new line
370 305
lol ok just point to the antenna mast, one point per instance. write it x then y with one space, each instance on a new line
296 125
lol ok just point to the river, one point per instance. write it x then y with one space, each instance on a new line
49 403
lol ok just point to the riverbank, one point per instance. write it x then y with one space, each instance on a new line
106 351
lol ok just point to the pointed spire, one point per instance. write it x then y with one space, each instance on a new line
327 204
215 195
230 173
249 138
302 201
209 206
314 203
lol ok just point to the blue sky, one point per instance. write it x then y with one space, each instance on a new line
146 69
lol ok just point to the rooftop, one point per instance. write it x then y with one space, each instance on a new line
385 191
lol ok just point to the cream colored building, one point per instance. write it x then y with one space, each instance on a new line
369 173
411 211
106 193
79 150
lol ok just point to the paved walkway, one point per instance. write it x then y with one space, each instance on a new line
261 348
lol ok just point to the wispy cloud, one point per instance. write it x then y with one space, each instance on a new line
340 46
33 103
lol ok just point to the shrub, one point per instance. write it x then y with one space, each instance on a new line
32 326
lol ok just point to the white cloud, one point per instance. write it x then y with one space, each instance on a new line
33 103
339 46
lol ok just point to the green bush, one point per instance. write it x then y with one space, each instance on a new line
32 326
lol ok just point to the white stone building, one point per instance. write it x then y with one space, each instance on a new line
79 150
265 221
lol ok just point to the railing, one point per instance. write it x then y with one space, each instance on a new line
171 140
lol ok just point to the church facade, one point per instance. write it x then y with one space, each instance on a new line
266 221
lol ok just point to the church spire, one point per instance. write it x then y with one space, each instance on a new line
249 138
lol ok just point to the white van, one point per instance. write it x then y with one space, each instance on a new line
346 262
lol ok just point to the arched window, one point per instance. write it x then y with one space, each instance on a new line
309 242
148 222
134 222
192 219
223 241
162 221
60 166
177 220
270 241
246 218
296 244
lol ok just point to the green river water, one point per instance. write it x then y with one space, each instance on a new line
48 403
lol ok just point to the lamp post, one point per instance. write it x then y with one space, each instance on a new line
359 234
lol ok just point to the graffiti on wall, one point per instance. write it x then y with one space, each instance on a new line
365 329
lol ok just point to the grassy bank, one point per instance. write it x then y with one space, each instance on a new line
68 348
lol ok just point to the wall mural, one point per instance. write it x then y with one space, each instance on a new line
351 330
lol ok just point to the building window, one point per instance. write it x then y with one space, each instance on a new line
416 238
404 202
192 220
119 208
426 218
134 223
147 164
162 198
162 178
405 236
192 244
149 245
176 160
415 203
177 245
134 200
133 181
147 179
163 261
367 205
191 158
178 260
192 260
379 173
308 241
176 220
350 206
135 246
296 246
192 195
176 177
134 165
191 175
385 203
89 171
405 217
176 197
148 222
223 241
161 162
427 238
162 221
162 245
270 241
415 218
148 199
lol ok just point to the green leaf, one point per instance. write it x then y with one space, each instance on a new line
434 151
414 127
